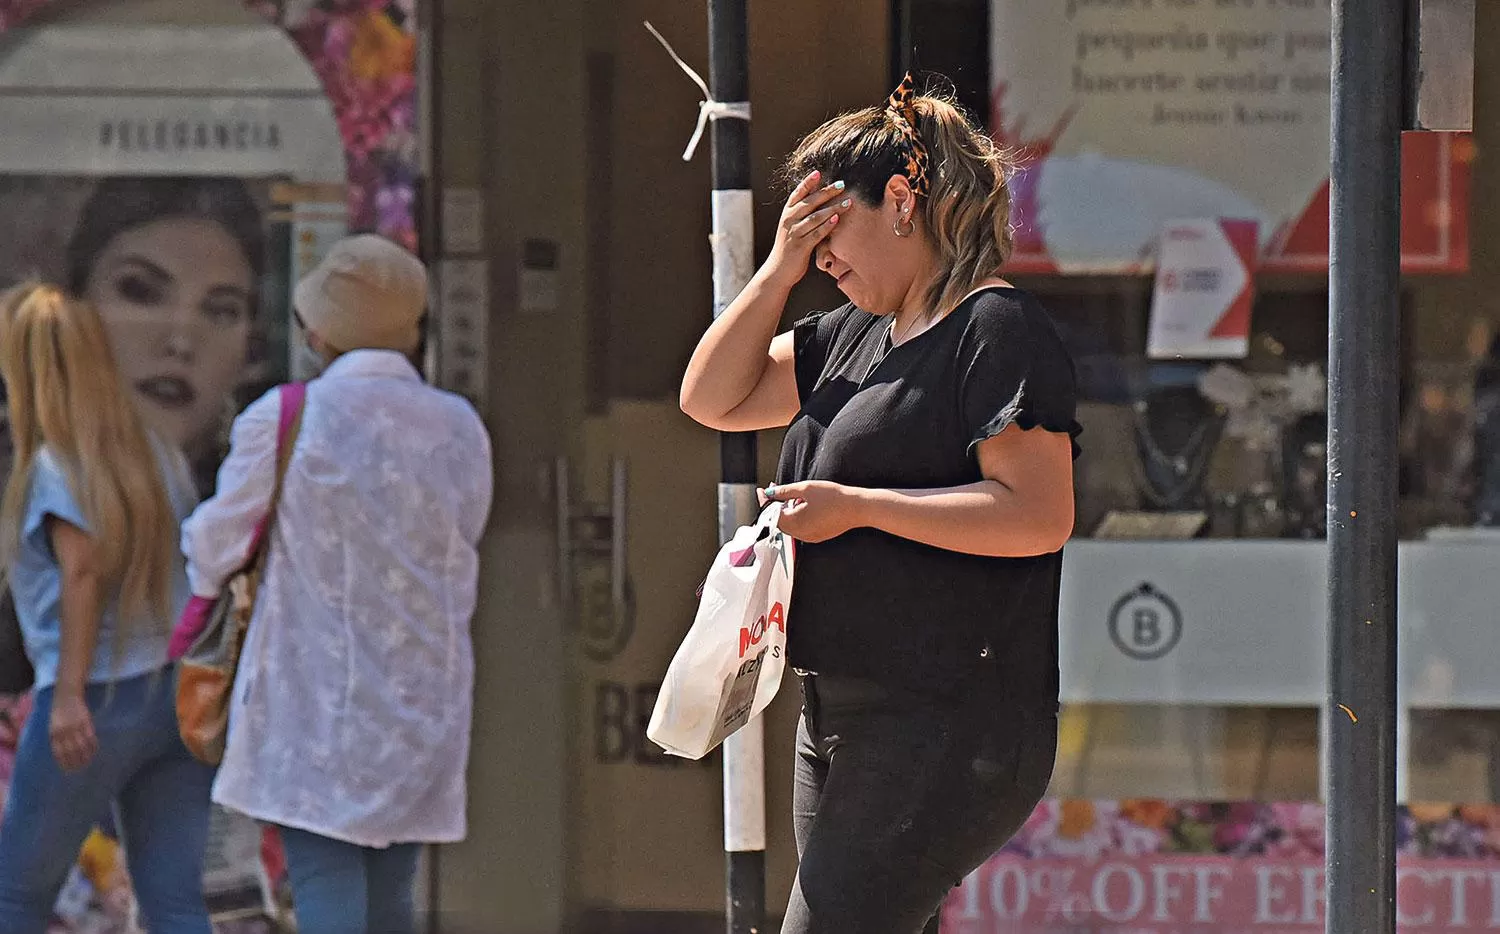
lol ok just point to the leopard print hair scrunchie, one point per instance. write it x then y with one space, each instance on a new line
902 105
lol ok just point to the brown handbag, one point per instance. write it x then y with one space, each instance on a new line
217 627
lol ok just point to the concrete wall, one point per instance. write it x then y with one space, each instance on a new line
511 119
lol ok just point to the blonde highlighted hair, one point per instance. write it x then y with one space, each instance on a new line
966 213
65 392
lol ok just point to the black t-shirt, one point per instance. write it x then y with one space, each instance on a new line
870 605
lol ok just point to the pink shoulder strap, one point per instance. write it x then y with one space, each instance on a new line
293 397
194 620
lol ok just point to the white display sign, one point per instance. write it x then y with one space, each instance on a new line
1234 623
1245 623
106 135
463 220
463 327
164 100
1204 290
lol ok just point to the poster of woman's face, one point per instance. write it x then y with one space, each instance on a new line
175 266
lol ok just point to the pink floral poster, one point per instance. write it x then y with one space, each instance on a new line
365 53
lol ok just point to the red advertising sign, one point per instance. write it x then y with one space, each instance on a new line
1204 895
1144 866
1204 290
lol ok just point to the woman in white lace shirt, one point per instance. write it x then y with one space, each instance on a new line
349 728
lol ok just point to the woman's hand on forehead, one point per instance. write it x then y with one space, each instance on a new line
810 214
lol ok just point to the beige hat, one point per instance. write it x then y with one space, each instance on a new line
367 294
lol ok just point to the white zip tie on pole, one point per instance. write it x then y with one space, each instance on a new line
708 108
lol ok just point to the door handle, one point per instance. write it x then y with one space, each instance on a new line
592 538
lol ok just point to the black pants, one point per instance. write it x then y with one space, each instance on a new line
898 797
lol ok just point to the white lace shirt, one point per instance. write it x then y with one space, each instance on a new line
353 702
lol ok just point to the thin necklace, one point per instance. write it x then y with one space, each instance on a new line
887 344
891 340
905 333
881 352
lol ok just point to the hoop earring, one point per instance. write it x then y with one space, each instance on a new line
911 226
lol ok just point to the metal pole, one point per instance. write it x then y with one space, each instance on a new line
1363 379
733 249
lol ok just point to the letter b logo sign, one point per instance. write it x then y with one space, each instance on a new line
1145 624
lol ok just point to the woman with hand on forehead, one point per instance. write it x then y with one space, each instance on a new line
927 475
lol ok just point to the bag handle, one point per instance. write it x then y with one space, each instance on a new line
770 519
768 525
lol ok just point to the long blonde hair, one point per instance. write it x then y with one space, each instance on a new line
65 392
967 211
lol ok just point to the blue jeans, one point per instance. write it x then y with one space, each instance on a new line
161 798
340 888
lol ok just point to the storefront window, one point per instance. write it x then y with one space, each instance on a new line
1455 756
1237 448
1114 752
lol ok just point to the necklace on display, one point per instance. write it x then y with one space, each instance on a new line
1187 465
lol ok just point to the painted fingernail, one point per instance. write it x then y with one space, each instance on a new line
834 219
845 203
839 185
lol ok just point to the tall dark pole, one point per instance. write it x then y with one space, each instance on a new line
1363 380
734 255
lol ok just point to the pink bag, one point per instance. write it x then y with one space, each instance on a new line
207 671
196 614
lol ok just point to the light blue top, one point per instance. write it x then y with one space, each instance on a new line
36 579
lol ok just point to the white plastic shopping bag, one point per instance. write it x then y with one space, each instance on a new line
729 665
